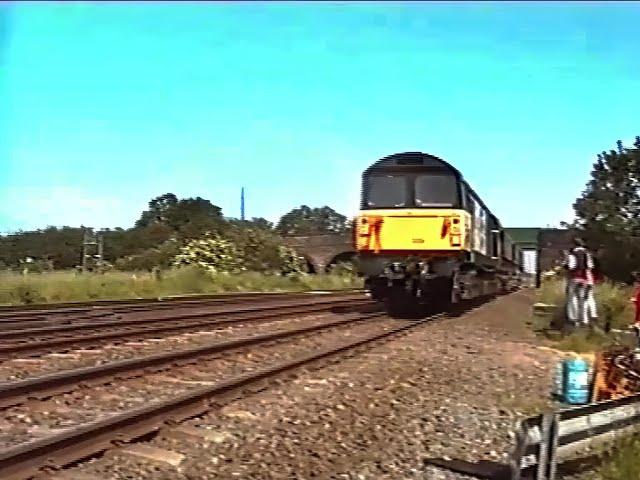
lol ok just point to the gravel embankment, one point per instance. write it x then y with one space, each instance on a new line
453 388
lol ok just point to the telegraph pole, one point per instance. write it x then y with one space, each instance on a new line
242 204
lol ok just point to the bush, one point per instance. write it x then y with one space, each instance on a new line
257 247
624 462
160 257
213 253
290 262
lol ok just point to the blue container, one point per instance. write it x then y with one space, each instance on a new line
576 381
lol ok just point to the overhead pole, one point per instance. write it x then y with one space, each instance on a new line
242 204
90 243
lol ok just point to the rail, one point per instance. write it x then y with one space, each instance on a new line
73 335
58 450
139 301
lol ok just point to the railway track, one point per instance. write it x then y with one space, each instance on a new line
96 435
29 316
93 437
157 302
61 382
35 341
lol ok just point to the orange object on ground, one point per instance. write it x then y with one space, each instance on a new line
616 375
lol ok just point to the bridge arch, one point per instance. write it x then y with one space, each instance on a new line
347 256
320 250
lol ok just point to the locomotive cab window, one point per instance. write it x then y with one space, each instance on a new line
386 191
436 191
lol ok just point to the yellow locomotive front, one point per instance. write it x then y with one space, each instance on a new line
439 231
417 228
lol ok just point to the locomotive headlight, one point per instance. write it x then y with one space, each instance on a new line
455 226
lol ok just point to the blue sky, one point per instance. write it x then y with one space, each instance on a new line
104 106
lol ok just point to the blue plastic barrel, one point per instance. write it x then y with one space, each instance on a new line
576 381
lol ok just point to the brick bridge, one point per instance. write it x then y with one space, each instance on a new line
322 251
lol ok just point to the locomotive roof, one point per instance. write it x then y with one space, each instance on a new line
413 161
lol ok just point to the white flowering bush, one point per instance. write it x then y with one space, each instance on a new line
290 262
213 253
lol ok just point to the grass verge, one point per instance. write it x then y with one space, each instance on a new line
614 310
56 287
621 461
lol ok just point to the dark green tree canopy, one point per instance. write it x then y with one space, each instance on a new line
608 211
187 215
312 221
158 208
256 222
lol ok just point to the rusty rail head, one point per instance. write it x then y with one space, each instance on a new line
14 392
28 332
33 347
95 437
71 307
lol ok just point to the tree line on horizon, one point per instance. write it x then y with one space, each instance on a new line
607 215
156 237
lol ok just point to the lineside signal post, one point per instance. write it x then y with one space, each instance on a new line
92 249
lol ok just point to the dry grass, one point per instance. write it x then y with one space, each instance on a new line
614 309
623 462
612 301
16 289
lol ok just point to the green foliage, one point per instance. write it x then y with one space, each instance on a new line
584 342
66 286
623 462
256 222
257 247
160 257
312 221
612 301
168 225
614 308
608 211
290 262
189 217
213 253
61 246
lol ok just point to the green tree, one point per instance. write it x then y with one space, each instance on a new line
188 217
258 247
60 246
312 221
158 208
608 211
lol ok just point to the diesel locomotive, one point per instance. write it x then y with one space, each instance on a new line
423 235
